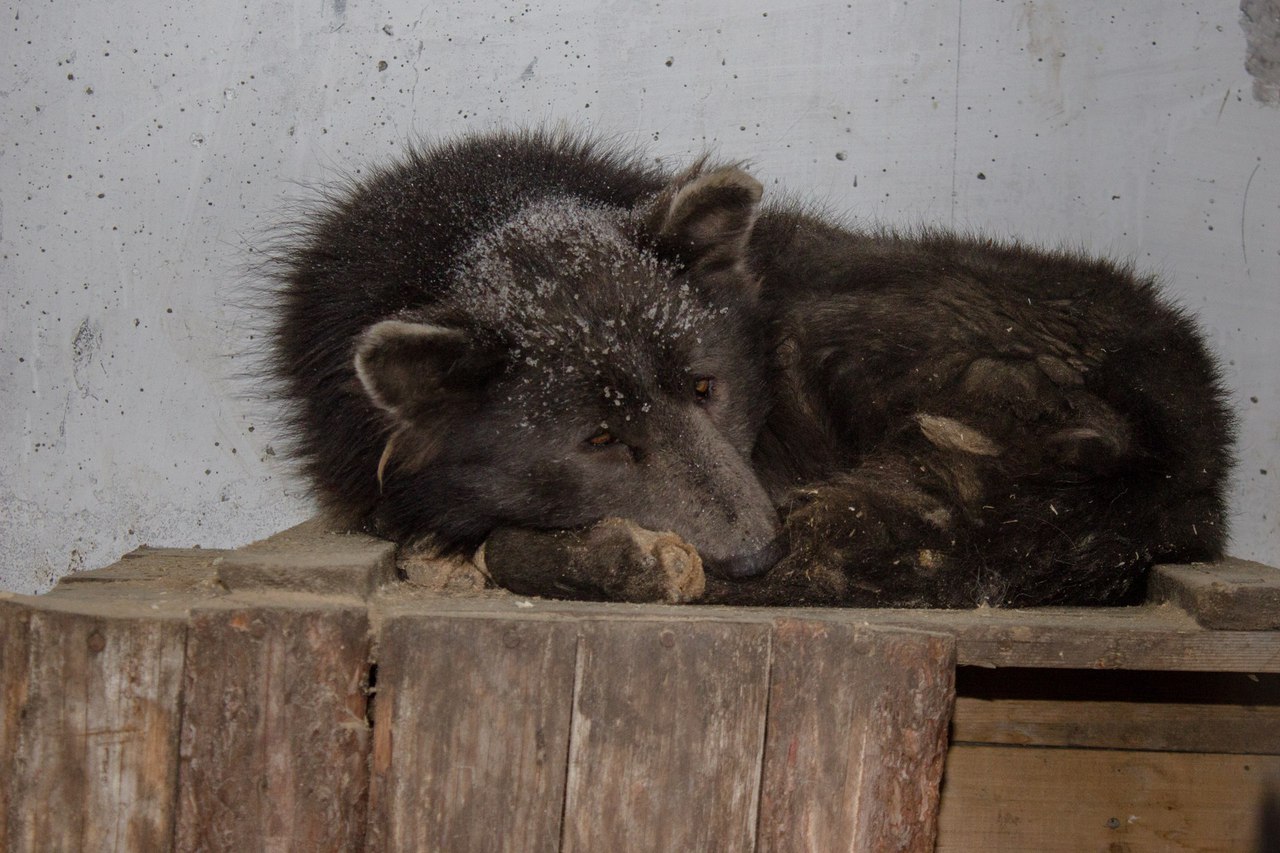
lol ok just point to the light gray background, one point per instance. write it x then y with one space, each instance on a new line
145 143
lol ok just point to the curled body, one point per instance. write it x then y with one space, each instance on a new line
532 333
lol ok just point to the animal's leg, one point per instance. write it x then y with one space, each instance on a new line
613 560
947 517
881 534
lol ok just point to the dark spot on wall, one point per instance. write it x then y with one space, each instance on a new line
1261 22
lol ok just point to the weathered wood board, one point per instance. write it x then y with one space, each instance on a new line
853 753
552 733
1229 595
1010 799
274 748
1157 637
1166 711
471 733
1120 725
311 559
667 734
90 728
15 677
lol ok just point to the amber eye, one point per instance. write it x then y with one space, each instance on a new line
601 439
702 388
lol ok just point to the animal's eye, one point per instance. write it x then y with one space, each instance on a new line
702 388
603 438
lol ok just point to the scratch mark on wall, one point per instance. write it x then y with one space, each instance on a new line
1261 22
527 73
34 361
84 346
417 75
1244 206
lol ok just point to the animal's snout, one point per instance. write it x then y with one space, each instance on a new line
750 565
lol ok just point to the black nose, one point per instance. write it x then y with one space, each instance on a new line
748 565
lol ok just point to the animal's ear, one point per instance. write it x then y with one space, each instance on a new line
410 369
706 218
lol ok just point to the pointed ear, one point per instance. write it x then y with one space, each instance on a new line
706 217
411 369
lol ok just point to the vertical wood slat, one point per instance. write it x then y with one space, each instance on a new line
274 748
471 733
857 738
667 735
14 687
91 705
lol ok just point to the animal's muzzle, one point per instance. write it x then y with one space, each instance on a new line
749 565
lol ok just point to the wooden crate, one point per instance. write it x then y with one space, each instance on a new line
296 694
279 698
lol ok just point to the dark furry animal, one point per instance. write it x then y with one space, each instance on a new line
528 332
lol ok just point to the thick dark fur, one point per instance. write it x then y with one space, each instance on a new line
531 331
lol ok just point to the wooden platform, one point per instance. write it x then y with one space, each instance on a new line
300 694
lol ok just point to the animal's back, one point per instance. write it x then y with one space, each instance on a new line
1066 420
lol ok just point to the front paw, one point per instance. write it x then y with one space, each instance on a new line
613 560
636 564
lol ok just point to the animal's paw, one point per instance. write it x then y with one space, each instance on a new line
832 516
879 511
866 544
644 565
614 560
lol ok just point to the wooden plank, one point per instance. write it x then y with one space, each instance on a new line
96 704
1149 637
1153 637
189 565
856 736
1229 595
310 558
15 672
1176 711
668 729
471 734
275 742
1018 799
1181 727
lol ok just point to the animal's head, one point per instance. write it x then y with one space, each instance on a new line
589 362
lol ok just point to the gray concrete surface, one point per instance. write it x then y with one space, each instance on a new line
145 145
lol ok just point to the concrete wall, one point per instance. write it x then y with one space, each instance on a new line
144 144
